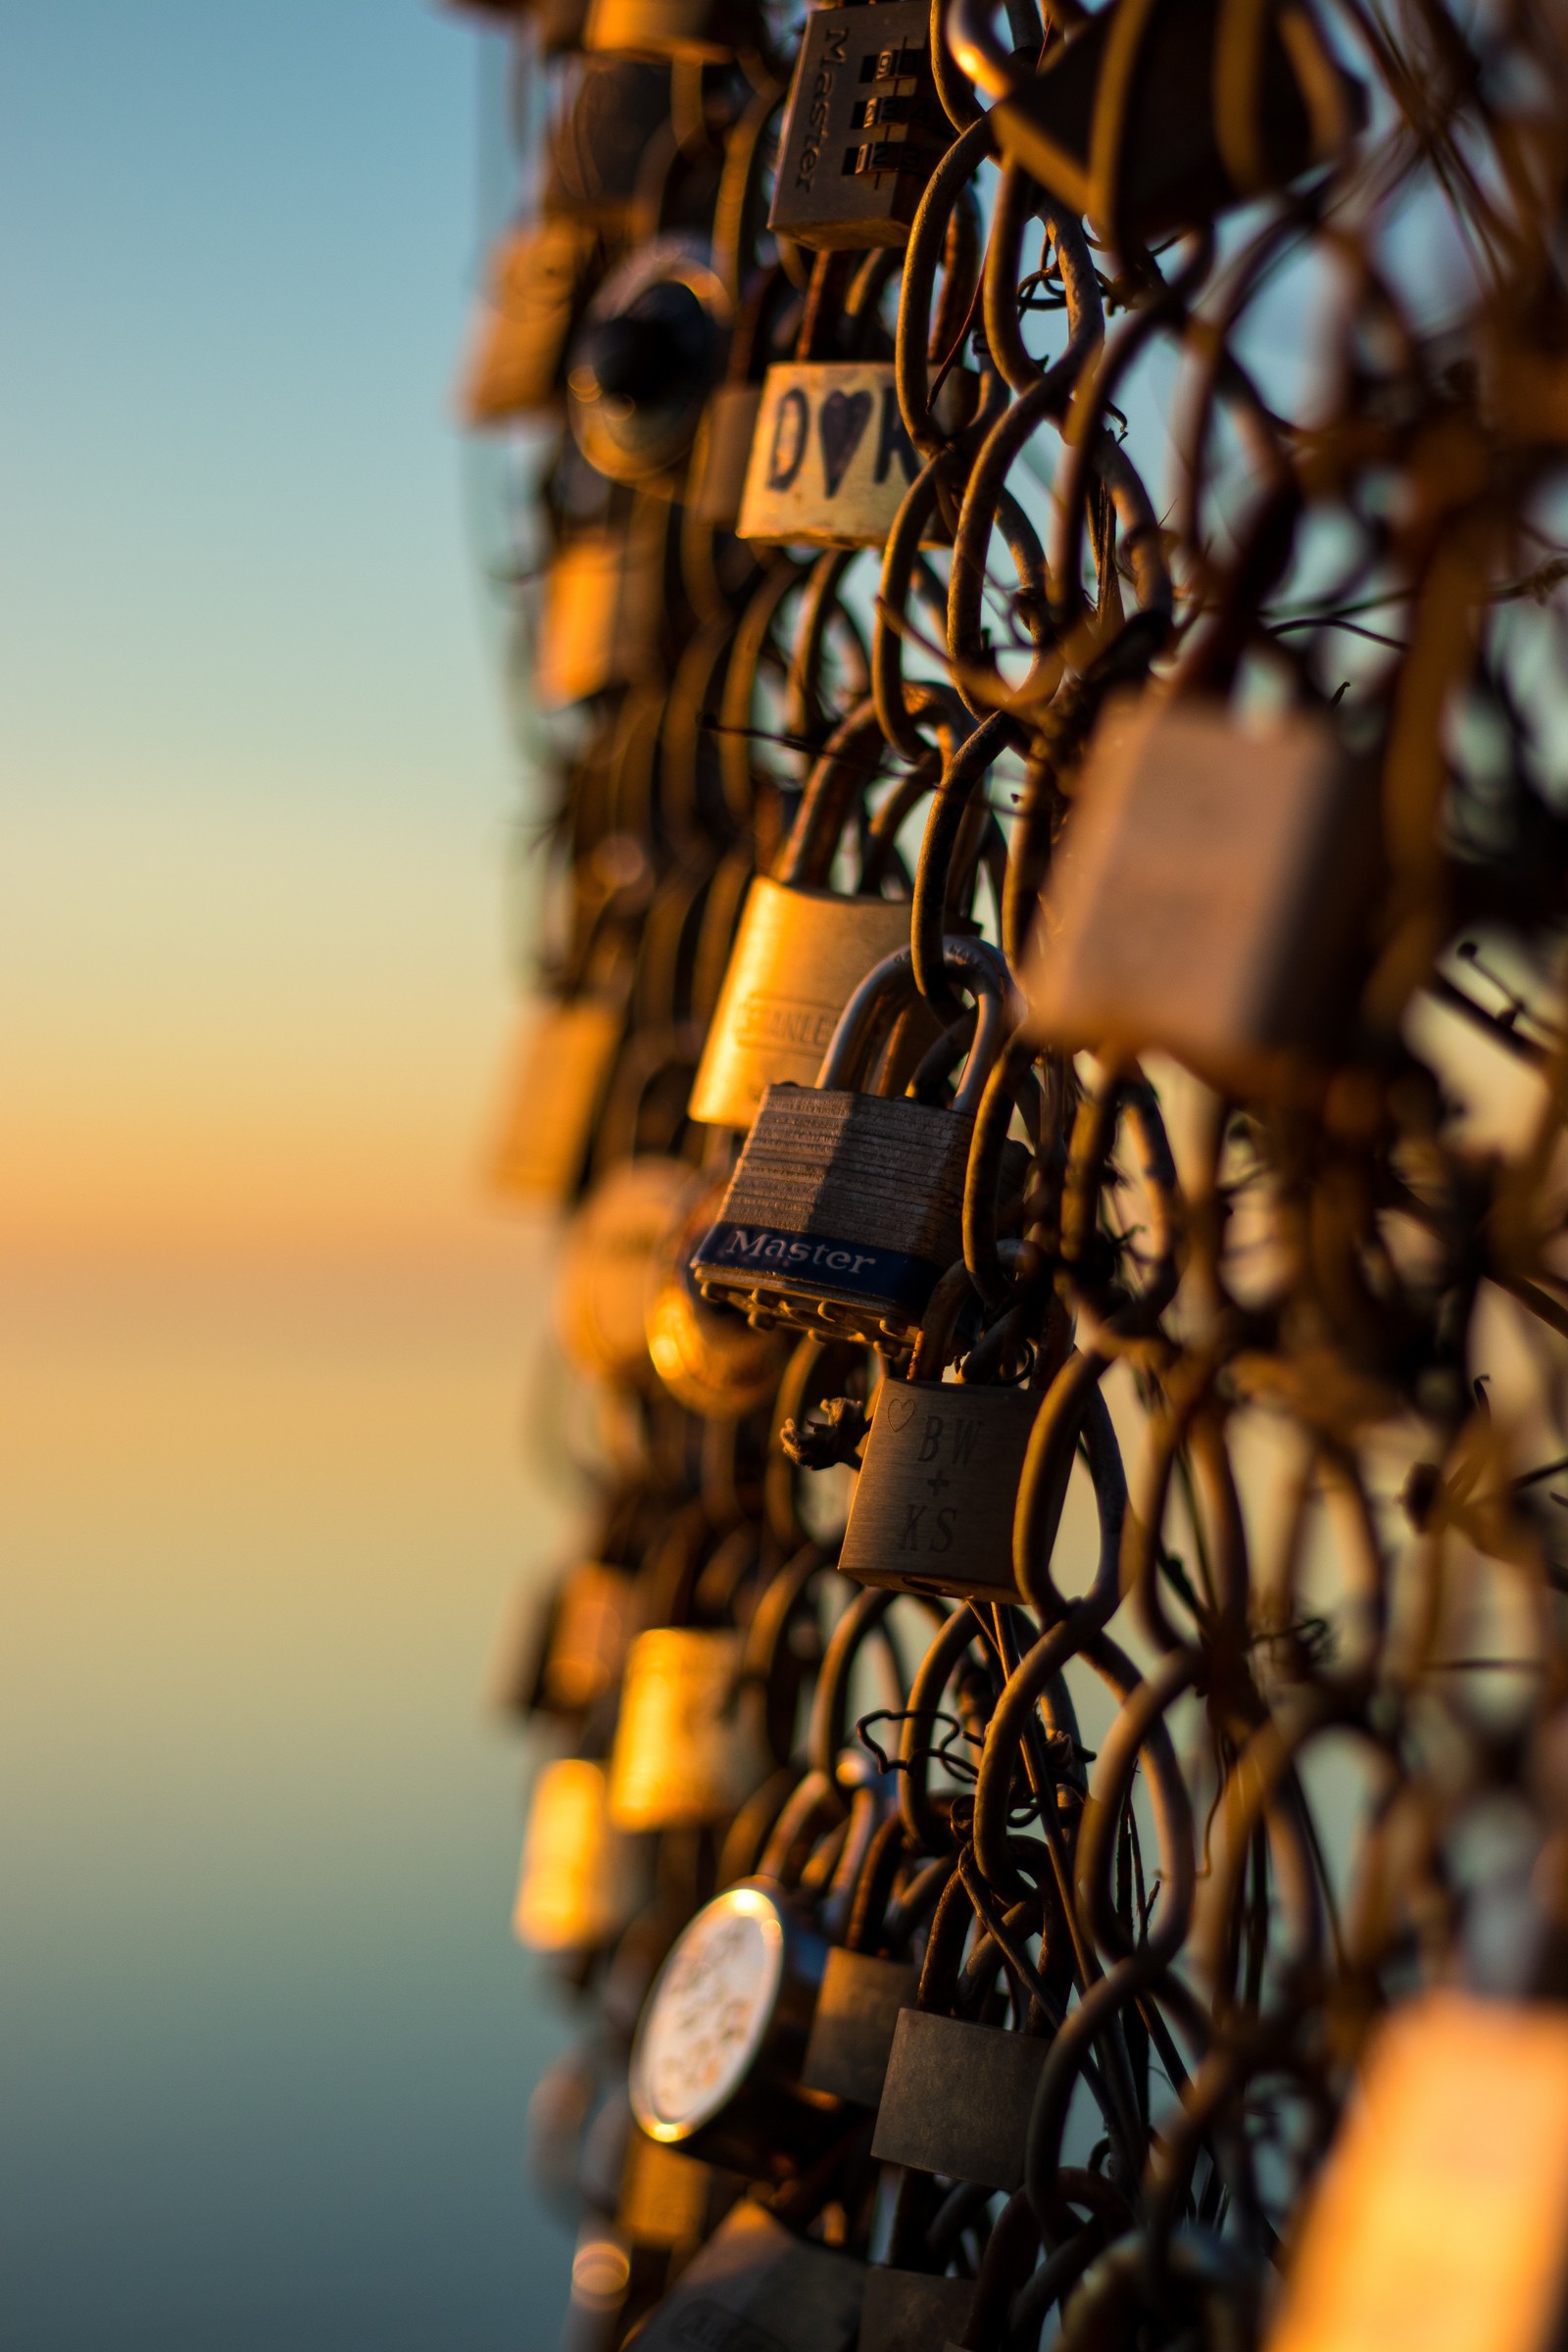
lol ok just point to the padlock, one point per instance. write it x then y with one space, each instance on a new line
845 1208
854 2023
581 1878
645 357
1439 2216
689 1745
862 128
564 1657
615 108
1155 115
709 1358
1209 892
932 1509
722 454
758 2287
608 1267
715 2066
539 278
665 2195
957 2098
560 1068
603 604
706 31
909 2311
830 459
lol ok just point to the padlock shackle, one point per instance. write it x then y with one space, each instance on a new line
975 967
977 51
852 761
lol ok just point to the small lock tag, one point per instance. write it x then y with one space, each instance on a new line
798 959
757 2287
581 1878
933 1505
688 1746
861 130
560 1072
601 616
958 2099
538 282
1439 2217
852 2028
1207 893
908 2311
830 460
607 1269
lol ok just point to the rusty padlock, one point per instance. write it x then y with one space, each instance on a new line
581 1878
538 282
689 1745
862 128
649 350
957 2098
911 2311
845 1208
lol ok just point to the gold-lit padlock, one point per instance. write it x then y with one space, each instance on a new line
689 1745
581 1878
609 1272
560 1068
710 1359
539 278
601 616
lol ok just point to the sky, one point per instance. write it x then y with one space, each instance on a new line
264 1341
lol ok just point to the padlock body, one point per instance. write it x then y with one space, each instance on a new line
561 1070
933 1505
588 1638
830 460
608 1266
853 2023
861 130
597 147
599 623
798 959
709 31
958 2099
687 1750
581 1878
538 282
909 2311
758 2287
843 1211
722 453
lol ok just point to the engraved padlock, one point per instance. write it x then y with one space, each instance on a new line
758 2287
715 2065
706 31
845 1208
560 1068
862 128
581 1877
957 2098
645 357
830 458
538 282
1155 115
1209 893
689 1744
608 1268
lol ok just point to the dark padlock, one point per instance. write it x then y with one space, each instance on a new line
538 282
715 2066
647 352
908 2311
667 2199
958 2099
845 1208
758 2287
863 128
1157 115
615 108
852 2031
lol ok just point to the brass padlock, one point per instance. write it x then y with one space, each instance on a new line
581 1878
830 459
758 2287
645 357
854 2023
708 32
566 1656
845 1208
1155 115
1209 892
602 605
932 1509
607 1278
561 1065
689 1745
862 128
715 2066
909 2311
957 2098
709 1358
538 283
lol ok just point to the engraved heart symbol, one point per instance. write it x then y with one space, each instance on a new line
843 419
900 1410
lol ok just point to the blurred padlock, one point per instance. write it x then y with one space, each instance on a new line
561 1069
538 282
647 352
1209 893
706 31
709 1358
561 1653
758 2287
602 605
854 2023
609 1265
615 108
957 2098
689 1745
722 452
830 459
581 1878
844 1207
862 128
933 1505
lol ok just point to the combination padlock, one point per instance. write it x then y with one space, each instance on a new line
1157 115
1209 894
689 1745
647 352
862 128
957 2098
581 1878
561 1069
715 2065
538 282
845 1208
830 458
